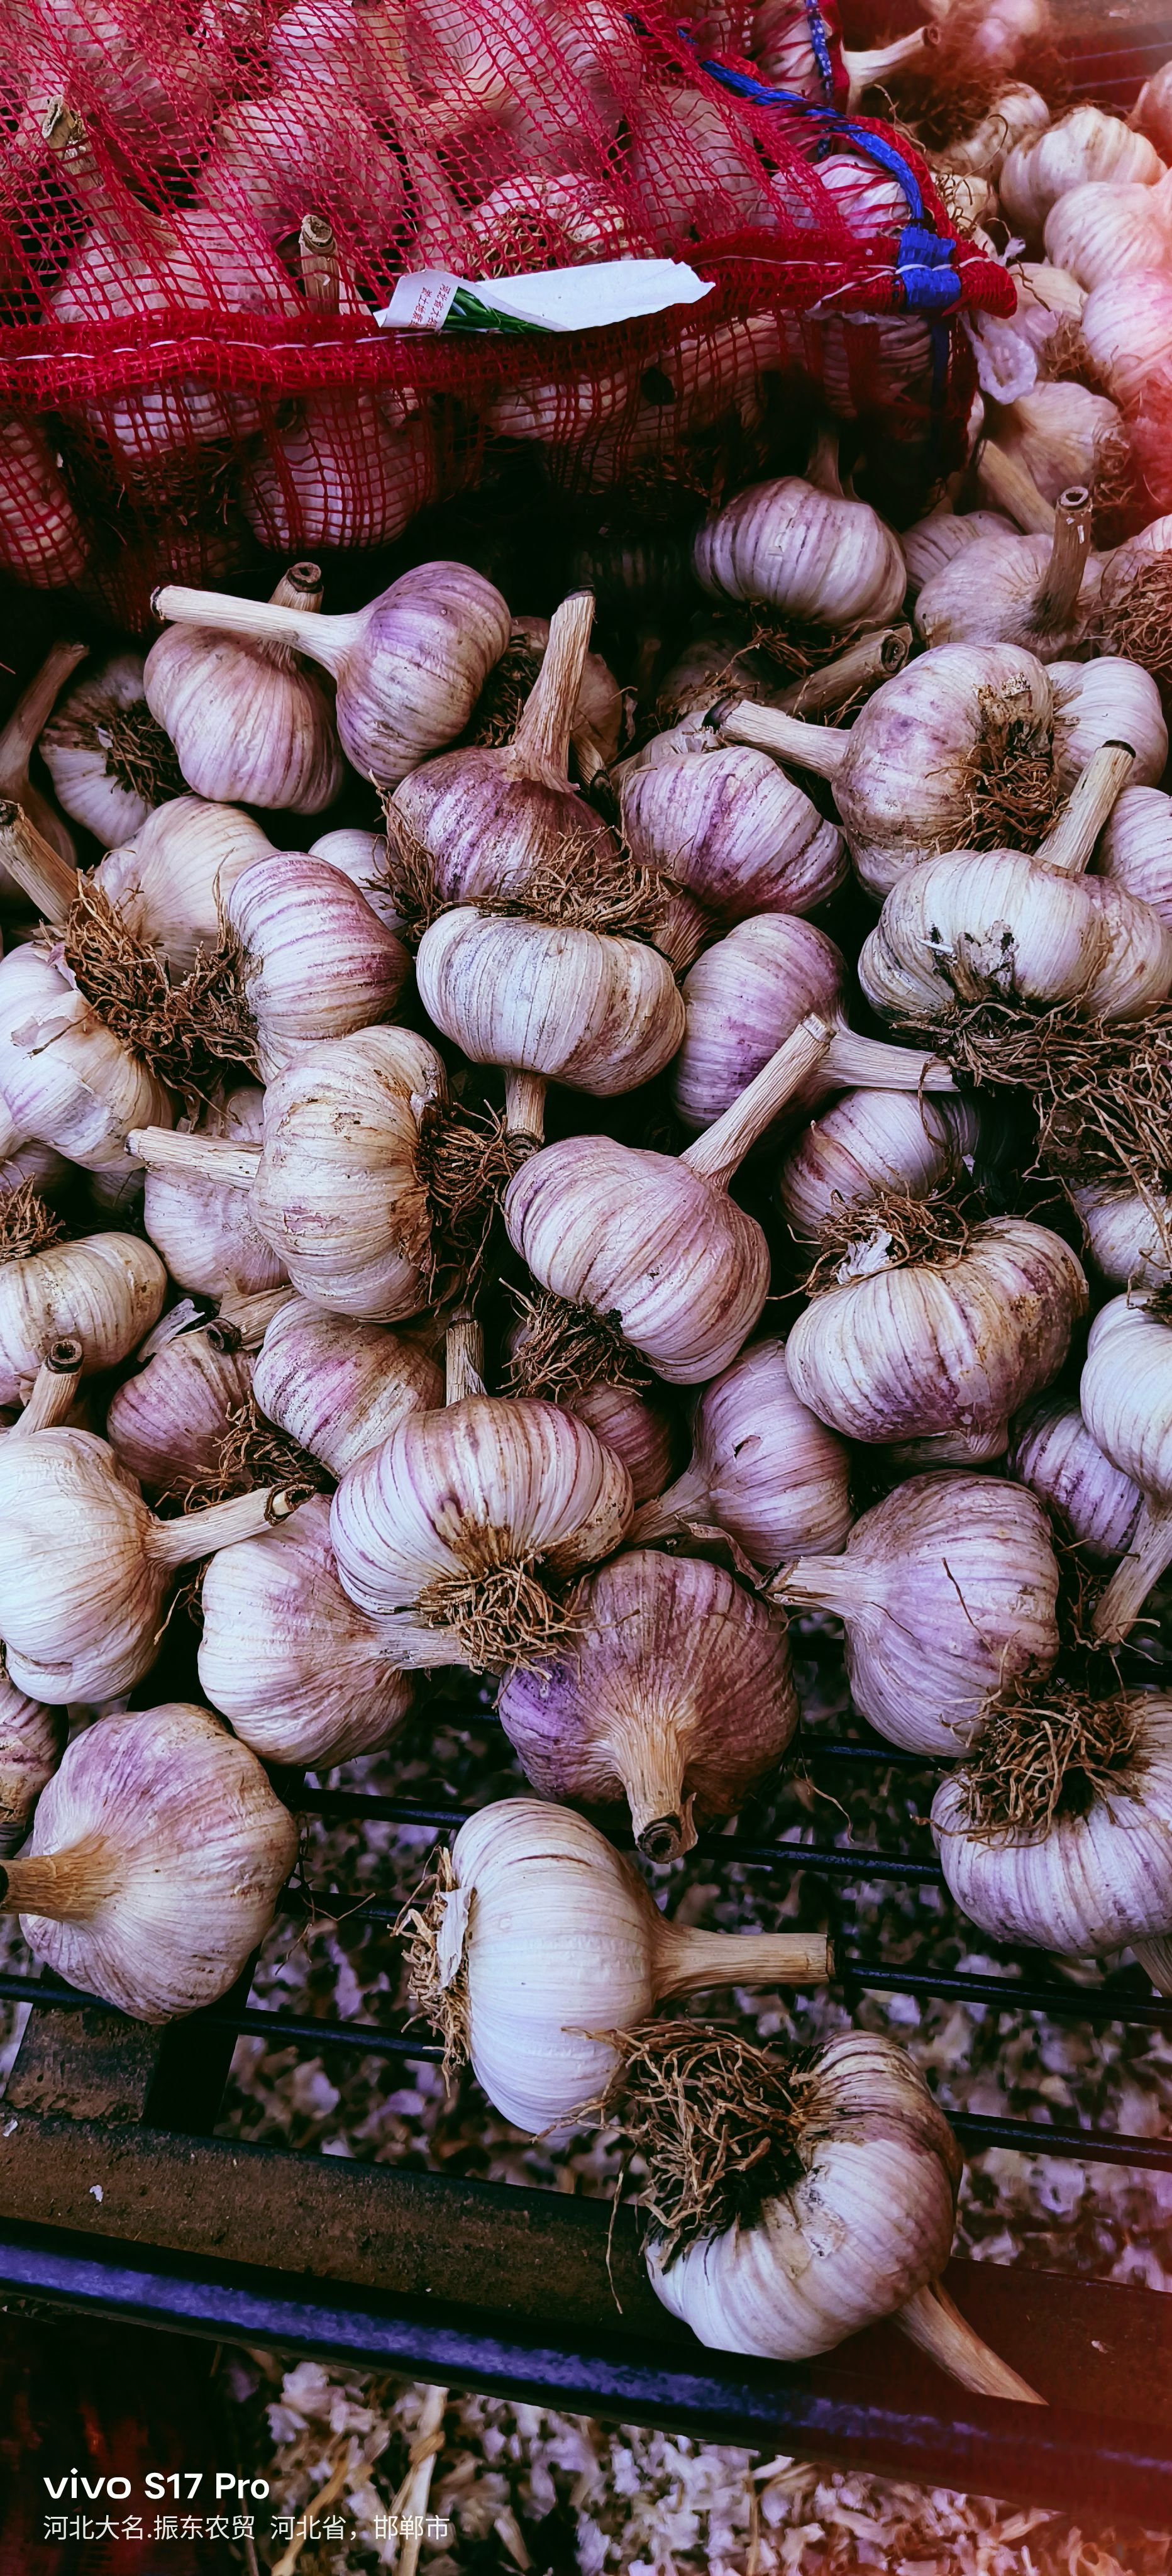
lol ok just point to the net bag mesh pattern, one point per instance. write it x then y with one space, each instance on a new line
184 383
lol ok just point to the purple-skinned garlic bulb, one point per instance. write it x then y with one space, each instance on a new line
338 1386
32 1741
168 1425
675 1693
299 1671
867 1143
731 827
1053 1453
763 1467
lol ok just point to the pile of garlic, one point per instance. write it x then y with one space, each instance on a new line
513 1166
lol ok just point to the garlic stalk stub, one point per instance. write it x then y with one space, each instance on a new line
409 667
204 1229
762 1467
23 734
651 1245
155 1861
867 1144
540 1940
802 2201
105 1291
947 1590
250 724
1126 1397
674 1693
1034 591
1053 1452
32 1741
299 1671
109 761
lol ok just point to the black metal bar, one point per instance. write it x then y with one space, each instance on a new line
1044 2138
282 2028
1007 1994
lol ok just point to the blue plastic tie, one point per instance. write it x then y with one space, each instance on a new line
821 49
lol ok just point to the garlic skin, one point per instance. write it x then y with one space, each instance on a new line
1085 144
250 725
1127 330
1053 1453
1000 922
204 1231
1097 1881
632 1710
1126 1397
42 540
409 666
1055 434
730 826
163 1846
1107 230
763 1467
1129 1236
361 856
1107 700
65 1080
169 880
869 1142
599 1014
867 2227
946 1353
1017 114
638 1431
558 1939
104 753
947 1590
936 540
747 993
339 1387
1038 591
300 1673
105 1292
811 554
318 963
32 1741
166 1425
1136 848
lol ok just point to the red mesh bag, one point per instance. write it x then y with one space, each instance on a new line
190 372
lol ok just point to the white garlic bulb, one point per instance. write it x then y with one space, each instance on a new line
250 725
300 1672
549 1940
1127 331
1108 229
934 541
944 1351
22 735
1083 1866
729 825
203 1228
168 1424
763 1467
1038 592
867 1143
1017 113
169 881
1126 1397
1107 700
1130 1236
339 1387
65 1080
947 1590
32 1741
65 1496
809 553
362 856
1085 144
1057 434
409 667
316 961
630 1710
109 761
651 1244
1136 847
599 1014
747 993
1053 1453
156 1858
105 1291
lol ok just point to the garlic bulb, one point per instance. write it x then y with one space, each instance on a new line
640 1432
299 146
1076 1859
945 1351
167 1426
1085 144
1107 700
1009 354
64 1079
42 540
809 553
338 1387
32 1741
934 760
316 962
1104 230
1136 847
104 1291
250 724
1152 112
169 881
1130 1237
867 1143
747 994
1053 1453
598 707
853 2173
343 475
730 826
652 1245
65 1496
782 45
763 1467
948 1591
155 1861
109 761
1057 434
674 1693
1126 1397
934 541
362 856
204 1229
540 1939
302 1675
599 1014
1127 332
21 736
409 667
1039 592
1135 593
1017 113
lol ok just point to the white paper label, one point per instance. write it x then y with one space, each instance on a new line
420 303
554 299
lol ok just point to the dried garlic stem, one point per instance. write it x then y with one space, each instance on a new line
717 1154
28 719
201 1158
525 1105
1062 579
540 744
816 747
242 1322
1069 844
54 1389
48 880
685 1960
1146 1560
68 1886
1005 483
933 2321
872 657
463 1357
221 1525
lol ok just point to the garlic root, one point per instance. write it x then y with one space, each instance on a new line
933 2322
